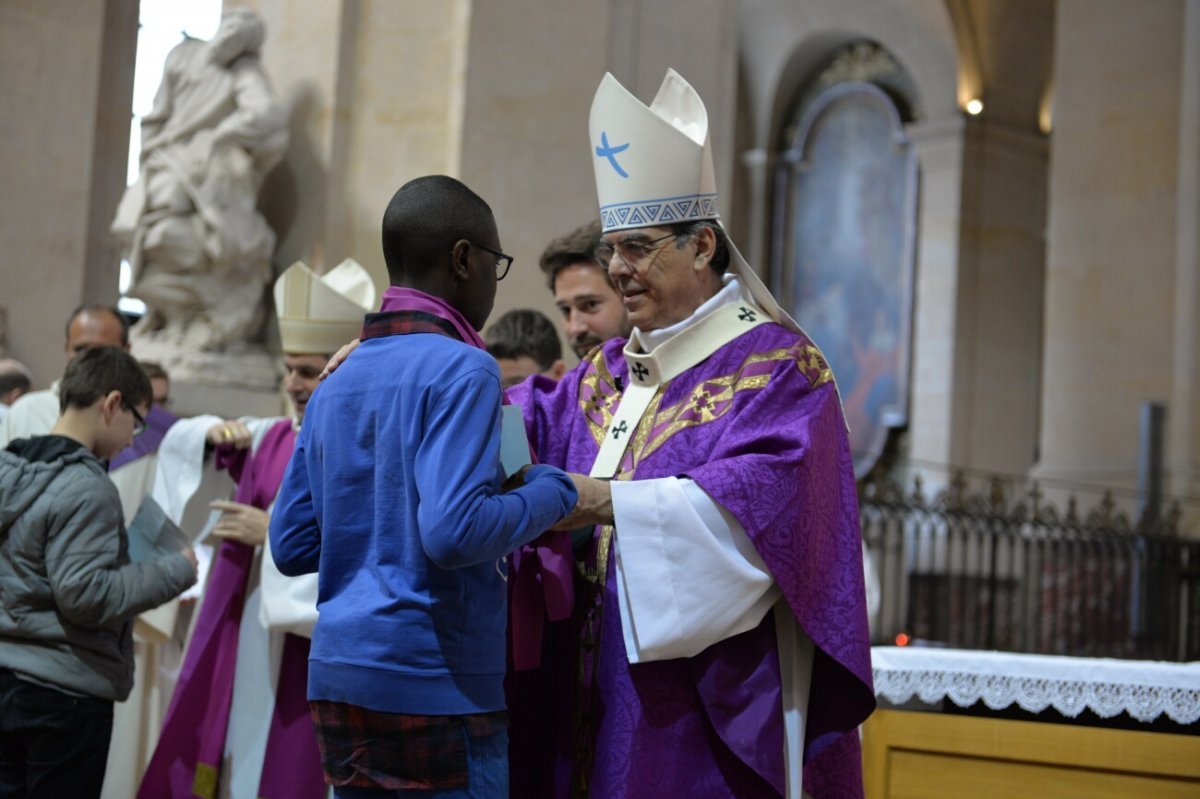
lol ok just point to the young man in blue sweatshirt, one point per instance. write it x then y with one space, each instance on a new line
393 496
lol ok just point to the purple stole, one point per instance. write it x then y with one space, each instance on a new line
710 725
158 422
541 581
189 755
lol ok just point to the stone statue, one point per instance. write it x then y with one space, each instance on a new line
199 249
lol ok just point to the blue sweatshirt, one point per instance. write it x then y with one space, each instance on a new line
391 496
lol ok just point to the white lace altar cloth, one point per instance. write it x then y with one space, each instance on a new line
1144 689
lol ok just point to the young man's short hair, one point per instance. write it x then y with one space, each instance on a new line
524 333
95 372
424 219
578 246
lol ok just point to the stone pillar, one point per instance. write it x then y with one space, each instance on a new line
1183 414
1111 251
532 70
978 298
527 89
375 98
936 372
1001 263
66 99
752 210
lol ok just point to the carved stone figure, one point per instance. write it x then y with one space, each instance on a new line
199 249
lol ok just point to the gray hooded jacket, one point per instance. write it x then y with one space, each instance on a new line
68 593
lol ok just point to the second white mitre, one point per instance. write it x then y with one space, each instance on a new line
319 313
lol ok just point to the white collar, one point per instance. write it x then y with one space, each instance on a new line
647 341
718 321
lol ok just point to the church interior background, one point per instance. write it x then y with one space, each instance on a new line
987 211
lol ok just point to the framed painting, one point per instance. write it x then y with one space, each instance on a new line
844 252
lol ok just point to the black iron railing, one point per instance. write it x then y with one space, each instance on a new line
978 571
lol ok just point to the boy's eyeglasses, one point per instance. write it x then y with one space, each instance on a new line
139 423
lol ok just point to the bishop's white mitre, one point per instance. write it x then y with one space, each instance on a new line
654 167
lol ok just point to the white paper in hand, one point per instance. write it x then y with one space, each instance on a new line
152 534
514 444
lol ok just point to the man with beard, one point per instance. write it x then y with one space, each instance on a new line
591 308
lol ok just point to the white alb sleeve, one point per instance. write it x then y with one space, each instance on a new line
687 574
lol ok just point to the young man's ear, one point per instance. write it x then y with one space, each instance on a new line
557 369
460 260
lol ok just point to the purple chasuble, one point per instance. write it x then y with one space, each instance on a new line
158 422
759 427
190 750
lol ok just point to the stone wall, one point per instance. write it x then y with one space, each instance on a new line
65 106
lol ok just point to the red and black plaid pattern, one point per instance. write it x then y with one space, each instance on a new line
398 323
394 751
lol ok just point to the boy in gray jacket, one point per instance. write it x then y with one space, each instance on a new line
68 592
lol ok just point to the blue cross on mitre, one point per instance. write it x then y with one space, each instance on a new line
603 150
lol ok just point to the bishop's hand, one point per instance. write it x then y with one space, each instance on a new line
593 507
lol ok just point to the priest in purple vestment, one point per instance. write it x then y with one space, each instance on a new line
718 645
238 724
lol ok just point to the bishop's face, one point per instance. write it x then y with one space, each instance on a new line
660 276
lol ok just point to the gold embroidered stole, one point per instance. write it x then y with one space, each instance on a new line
649 375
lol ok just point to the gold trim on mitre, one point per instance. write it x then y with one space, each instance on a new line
319 313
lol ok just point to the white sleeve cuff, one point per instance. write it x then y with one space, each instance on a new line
687 574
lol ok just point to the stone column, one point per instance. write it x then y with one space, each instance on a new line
752 210
527 86
1183 414
1002 267
1112 269
936 373
375 98
66 101
978 298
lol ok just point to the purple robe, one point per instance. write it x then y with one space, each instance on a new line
759 427
189 755
158 422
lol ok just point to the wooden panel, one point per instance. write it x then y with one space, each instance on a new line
923 775
931 755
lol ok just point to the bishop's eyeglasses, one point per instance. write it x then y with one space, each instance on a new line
631 250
